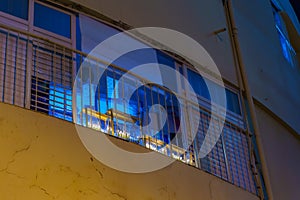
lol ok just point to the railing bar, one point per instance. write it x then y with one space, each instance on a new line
106 100
146 110
53 74
16 57
90 89
168 125
115 103
139 112
124 106
160 120
174 121
36 78
81 90
63 80
99 102
4 70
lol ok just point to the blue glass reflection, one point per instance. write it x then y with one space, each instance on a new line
52 20
18 8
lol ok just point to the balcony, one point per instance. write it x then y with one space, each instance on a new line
38 74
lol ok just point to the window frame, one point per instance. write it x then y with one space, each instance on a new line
207 101
2 12
289 54
11 20
69 42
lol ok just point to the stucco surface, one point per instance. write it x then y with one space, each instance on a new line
42 157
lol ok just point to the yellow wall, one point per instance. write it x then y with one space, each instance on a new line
43 158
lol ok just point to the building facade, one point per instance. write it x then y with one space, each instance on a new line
46 67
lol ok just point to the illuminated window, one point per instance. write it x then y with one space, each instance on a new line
288 51
60 102
51 83
51 99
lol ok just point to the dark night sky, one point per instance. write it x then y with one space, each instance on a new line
296 6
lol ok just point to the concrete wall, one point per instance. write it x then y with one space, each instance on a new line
43 158
276 85
282 150
287 7
197 19
274 82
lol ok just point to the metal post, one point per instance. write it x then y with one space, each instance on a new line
233 31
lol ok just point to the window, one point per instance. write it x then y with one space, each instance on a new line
60 102
18 8
233 102
90 33
51 84
51 99
52 20
198 84
287 49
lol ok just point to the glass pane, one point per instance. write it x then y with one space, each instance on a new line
52 20
233 102
168 76
18 8
198 84
90 33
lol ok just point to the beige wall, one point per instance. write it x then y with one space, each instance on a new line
43 158
197 19
282 150
274 82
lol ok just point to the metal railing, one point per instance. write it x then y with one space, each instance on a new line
38 74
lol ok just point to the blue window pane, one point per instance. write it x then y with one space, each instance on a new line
168 76
90 33
201 89
18 8
233 102
164 59
287 49
198 84
78 34
52 20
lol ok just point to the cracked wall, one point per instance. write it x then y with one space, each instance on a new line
42 157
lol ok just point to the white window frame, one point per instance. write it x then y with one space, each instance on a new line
13 21
68 42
